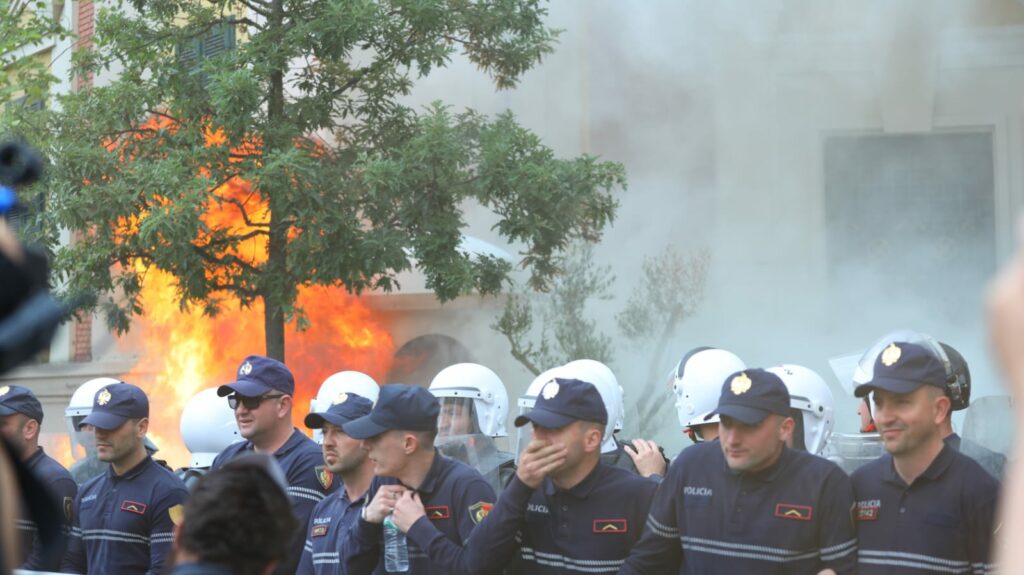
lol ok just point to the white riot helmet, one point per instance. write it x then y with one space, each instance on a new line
80 406
601 376
526 402
697 383
207 427
604 379
809 394
355 382
476 391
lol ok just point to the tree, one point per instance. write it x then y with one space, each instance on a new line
250 147
565 331
23 24
666 294
670 289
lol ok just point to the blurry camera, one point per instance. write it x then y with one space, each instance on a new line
29 315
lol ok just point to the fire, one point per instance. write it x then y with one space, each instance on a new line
184 351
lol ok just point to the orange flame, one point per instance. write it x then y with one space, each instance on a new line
185 352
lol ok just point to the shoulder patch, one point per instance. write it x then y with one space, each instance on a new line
610 526
133 506
69 505
789 511
324 476
437 512
177 513
319 530
479 510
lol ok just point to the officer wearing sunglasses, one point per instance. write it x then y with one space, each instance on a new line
262 401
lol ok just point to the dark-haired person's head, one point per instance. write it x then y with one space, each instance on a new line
238 517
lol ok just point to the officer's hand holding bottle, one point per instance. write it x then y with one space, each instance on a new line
407 510
383 503
540 458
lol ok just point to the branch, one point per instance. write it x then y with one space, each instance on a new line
235 288
258 7
241 238
225 260
245 214
164 115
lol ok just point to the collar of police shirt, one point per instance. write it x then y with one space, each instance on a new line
766 475
582 489
429 481
933 472
131 473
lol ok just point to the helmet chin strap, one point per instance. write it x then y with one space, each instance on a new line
694 435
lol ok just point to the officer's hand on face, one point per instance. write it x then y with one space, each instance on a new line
1006 319
408 509
538 459
383 503
647 457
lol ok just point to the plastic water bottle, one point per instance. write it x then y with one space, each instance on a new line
396 549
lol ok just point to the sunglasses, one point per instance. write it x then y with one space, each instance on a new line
249 402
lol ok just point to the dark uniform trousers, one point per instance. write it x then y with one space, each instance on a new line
308 479
329 525
941 523
791 518
121 524
456 498
62 489
588 528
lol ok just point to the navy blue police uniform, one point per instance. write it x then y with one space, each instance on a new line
944 520
792 517
122 523
589 527
57 481
455 496
334 517
308 479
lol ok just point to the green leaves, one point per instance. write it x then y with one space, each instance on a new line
285 157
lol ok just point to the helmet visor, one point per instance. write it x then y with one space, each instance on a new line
457 417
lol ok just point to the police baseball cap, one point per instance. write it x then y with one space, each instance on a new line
751 395
563 401
399 406
260 375
902 368
347 407
18 399
115 404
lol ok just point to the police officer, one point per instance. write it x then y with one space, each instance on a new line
82 435
334 517
638 455
747 503
435 500
355 382
923 506
566 511
813 407
262 400
474 406
958 389
207 427
696 383
122 520
21 414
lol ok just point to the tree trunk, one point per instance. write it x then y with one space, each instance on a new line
275 274
273 328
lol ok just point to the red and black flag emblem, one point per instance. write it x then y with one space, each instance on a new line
479 510
324 476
